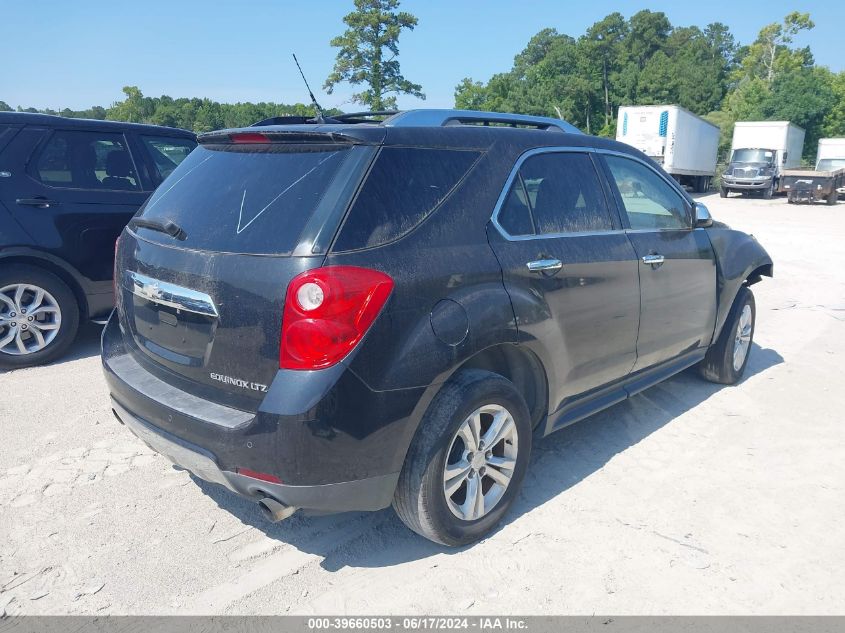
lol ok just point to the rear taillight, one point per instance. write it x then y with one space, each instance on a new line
327 312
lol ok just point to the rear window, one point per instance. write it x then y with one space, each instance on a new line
245 198
404 186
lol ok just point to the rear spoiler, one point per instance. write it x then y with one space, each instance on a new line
279 136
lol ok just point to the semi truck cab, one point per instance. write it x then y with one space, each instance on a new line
752 169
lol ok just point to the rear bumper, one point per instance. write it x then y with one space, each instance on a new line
373 493
335 444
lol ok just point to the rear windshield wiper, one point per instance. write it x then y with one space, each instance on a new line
165 226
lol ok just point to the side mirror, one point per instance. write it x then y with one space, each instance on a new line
785 155
703 219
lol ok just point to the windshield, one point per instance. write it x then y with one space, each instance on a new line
753 156
244 199
830 164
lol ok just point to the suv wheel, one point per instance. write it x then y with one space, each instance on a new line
723 192
467 461
39 316
726 360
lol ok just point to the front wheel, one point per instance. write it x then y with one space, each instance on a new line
467 461
832 198
723 192
727 358
769 191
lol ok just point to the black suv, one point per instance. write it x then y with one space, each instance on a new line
343 315
67 189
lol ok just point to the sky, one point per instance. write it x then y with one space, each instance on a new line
77 54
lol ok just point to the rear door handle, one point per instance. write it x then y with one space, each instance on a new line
545 265
42 203
653 259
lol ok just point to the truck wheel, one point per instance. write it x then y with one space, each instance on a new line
832 198
467 461
727 358
723 192
39 316
769 191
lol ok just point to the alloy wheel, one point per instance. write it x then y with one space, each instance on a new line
30 319
742 338
481 462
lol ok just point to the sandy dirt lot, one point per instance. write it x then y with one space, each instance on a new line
689 498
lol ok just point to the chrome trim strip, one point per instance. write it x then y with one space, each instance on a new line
168 294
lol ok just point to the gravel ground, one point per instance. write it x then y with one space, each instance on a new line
689 498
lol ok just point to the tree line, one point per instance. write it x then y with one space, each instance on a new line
645 60
199 115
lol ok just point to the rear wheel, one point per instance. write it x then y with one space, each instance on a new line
467 461
727 359
831 199
39 316
723 192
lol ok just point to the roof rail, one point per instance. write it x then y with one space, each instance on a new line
439 118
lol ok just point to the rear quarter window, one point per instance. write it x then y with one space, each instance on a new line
404 186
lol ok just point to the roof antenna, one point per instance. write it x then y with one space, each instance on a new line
319 118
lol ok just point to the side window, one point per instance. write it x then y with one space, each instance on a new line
515 214
563 194
86 160
167 152
403 187
649 201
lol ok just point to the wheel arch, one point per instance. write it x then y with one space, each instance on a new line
55 266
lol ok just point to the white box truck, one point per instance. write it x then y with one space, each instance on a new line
832 152
683 143
760 152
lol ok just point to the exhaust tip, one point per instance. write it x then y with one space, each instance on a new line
274 511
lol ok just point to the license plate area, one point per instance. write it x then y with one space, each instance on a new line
178 336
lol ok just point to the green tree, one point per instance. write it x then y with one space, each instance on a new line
470 95
770 52
603 42
834 120
373 34
5 107
804 97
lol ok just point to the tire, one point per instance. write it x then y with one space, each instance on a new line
57 305
718 365
421 498
832 198
723 192
769 191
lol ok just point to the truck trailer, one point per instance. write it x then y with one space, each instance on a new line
683 143
760 152
826 182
